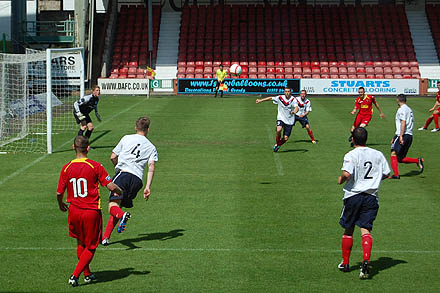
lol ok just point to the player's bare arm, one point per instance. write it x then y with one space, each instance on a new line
295 110
114 159
62 205
263 100
434 107
344 177
150 175
353 111
402 130
381 114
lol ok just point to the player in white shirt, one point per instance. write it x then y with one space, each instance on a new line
130 157
285 117
363 170
303 107
402 141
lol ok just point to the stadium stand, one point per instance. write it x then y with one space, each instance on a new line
130 52
433 12
300 41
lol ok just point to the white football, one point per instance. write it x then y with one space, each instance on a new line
235 69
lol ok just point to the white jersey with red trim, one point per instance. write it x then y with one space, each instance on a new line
285 108
303 105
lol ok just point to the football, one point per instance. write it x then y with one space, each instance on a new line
235 69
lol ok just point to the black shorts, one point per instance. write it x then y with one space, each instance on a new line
402 149
287 129
87 119
218 83
130 186
303 120
360 210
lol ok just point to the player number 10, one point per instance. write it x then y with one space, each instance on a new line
79 187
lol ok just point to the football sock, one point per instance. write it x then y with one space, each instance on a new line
282 141
347 244
367 243
428 121
394 165
84 260
79 250
277 138
311 134
407 160
112 222
436 120
221 94
116 212
80 132
88 133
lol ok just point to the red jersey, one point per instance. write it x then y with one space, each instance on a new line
81 178
365 104
437 98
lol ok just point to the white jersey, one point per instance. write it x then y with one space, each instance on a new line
285 109
405 113
303 105
134 151
367 167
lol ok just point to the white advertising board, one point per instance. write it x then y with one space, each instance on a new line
350 86
124 86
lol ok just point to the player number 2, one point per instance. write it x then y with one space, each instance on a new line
79 187
370 165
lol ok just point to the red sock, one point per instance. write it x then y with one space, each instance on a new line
281 142
436 120
311 134
112 221
84 260
277 138
428 121
407 160
116 212
79 251
367 243
347 244
394 165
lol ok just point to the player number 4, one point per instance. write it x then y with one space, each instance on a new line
138 153
79 187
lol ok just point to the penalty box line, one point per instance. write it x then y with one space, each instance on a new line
269 250
36 161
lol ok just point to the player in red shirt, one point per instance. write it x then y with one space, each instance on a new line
435 114
364 104
81 177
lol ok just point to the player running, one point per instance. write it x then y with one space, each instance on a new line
81 177
363 104
221 75
363 169
303 107
285 117
435 114
402 141
82 109
130 158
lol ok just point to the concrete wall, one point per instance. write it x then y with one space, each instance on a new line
5 15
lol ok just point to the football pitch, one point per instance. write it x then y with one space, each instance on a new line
226 213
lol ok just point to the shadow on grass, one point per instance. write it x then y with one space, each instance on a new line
304 141
378 265
410 174
292 151
101 134
108 276
94 138
161 236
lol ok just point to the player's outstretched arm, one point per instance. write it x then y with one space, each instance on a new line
344 177
434 107
381 114
150 176
263 100
62 205
114 159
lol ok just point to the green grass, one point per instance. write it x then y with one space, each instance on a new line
226 214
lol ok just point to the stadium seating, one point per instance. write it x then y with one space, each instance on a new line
369 41
130 50
432 11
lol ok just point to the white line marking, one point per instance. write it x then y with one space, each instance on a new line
36 161
280 250
275 157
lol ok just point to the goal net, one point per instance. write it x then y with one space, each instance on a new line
37 92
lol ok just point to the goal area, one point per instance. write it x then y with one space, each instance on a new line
37 92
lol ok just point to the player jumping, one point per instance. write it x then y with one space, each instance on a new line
285 117
363 104
436 112
303 107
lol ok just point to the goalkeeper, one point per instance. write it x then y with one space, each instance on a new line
82 109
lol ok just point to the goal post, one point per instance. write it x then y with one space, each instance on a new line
37 92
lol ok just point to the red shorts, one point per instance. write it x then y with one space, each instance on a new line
362 119
86 226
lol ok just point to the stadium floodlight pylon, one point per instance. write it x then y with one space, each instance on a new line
37 92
